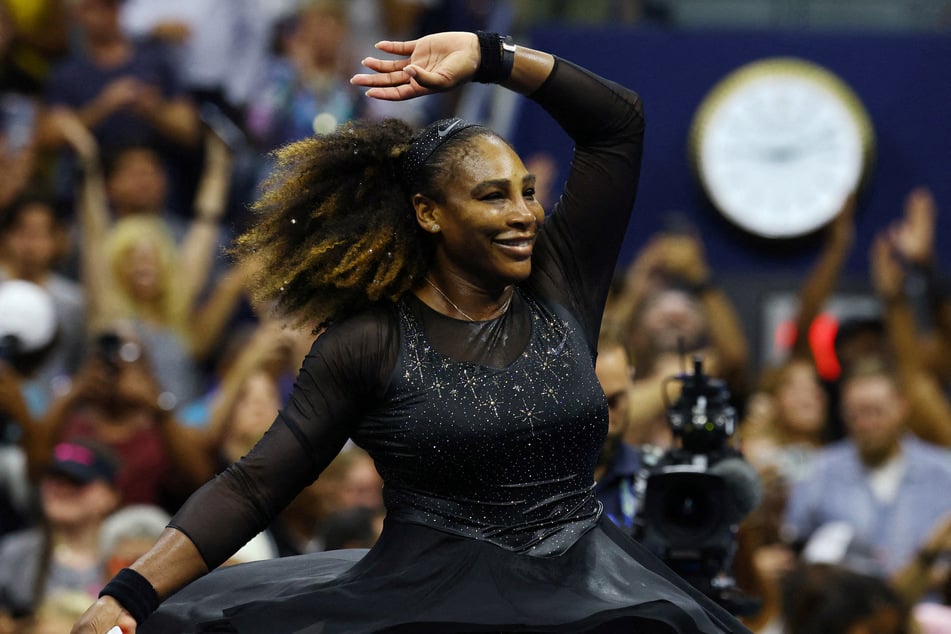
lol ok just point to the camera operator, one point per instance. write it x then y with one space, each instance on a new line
618 462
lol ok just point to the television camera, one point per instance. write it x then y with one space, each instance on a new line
692 497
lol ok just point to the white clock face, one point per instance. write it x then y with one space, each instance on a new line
779 149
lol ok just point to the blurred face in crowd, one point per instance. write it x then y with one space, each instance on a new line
318 36
33 242
99 19
362 485
125 551
669 315
801 400
254 412
70 503
874 412
614 374
137 183
141 274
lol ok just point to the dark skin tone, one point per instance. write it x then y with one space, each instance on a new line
485 231
431 64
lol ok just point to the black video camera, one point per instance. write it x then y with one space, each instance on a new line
692 497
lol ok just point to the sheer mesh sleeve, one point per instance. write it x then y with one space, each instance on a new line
344 374
580 241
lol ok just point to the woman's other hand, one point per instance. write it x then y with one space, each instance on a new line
102 616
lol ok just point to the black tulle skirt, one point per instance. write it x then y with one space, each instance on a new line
417 579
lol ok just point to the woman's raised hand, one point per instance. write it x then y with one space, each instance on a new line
434 63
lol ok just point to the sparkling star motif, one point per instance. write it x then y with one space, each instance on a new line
529 415
470 382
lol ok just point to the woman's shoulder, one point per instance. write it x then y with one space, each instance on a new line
371 329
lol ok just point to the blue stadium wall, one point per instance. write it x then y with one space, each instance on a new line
903 80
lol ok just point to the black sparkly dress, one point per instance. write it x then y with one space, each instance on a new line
486 435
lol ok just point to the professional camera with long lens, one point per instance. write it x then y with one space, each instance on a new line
693 497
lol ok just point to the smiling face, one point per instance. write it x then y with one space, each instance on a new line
142 272
488 217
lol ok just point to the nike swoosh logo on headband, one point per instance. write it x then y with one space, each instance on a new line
444 131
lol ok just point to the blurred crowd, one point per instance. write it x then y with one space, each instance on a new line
134 366
852 532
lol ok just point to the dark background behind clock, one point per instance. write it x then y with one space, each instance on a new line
904 81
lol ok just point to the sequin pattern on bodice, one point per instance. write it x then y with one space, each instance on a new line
504 455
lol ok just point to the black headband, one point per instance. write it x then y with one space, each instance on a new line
427 141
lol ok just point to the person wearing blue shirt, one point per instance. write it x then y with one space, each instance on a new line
888 485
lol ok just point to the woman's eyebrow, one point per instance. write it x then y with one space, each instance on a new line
528 179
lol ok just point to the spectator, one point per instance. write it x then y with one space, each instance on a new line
128 533
115 399
930 411
77 493
913 240
218 46
618 463
32 241
242 409
18 108
889 486
835 600
27 335
359 483
133 272
252 391
785 440
123 91
668 304
307 88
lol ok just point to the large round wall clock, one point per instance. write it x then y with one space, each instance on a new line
778 145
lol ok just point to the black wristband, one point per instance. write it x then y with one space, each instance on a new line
496 60
134 593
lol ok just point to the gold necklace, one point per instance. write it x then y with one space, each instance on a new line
498 311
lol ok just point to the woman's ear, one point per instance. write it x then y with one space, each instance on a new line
427 213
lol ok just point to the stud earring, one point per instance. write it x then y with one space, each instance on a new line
435 228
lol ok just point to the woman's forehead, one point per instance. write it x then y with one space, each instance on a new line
489 157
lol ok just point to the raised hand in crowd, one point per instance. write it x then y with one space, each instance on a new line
913 238
930 410
823 277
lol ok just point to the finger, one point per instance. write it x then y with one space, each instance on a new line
395 78
398 93
384 65
433 81
405 48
